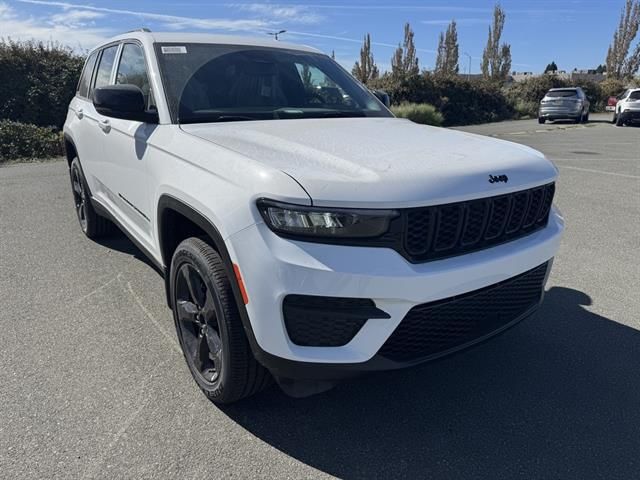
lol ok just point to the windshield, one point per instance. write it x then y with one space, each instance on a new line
562 93
223 83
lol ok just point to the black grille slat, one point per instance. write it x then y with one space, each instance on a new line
440 231
433 328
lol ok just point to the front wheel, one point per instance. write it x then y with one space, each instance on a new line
209 327
541 120
619 121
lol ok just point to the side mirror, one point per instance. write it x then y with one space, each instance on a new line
383 97
123 101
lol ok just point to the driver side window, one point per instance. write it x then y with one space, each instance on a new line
132 70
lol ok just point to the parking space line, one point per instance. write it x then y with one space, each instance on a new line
600 172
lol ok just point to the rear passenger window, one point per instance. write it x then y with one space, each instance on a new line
132 69
85 78
103 75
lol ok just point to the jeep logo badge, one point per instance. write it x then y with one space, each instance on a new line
498 178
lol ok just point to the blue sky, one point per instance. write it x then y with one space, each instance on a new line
574 33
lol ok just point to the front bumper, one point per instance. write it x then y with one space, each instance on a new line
273 267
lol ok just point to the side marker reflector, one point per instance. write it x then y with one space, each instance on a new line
243 290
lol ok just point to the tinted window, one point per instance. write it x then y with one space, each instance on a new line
634 95
562 93
103 75
85 79
133 69
208 83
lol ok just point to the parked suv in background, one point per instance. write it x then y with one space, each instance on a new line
627 109
564 104
304 233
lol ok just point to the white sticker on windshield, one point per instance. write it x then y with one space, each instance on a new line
174 49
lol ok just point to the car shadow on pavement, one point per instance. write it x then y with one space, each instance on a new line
557 396
118 241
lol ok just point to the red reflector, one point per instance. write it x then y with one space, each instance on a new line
243 291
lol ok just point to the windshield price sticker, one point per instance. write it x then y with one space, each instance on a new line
174 50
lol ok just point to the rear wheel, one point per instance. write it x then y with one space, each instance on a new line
209 327
92 224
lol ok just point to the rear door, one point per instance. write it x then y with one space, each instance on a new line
97 170
80 126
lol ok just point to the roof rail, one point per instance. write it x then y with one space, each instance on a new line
143 29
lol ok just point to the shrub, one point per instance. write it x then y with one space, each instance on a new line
26 141
419 113
459 101
38 81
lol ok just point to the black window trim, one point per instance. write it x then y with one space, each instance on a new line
118 45
98 54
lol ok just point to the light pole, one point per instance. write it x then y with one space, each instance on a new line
469 69
276 34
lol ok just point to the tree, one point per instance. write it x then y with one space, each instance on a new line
404 63
496 58
621 64
366 69
448 56
601 69
333 54
307 79
551 67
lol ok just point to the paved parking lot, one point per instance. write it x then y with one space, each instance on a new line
93 384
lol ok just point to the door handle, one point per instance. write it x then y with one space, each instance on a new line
79 113
105 125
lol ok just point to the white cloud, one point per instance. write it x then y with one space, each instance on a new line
168 21
459 21
281 13
49 29
76 18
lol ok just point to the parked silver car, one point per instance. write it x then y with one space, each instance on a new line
564 103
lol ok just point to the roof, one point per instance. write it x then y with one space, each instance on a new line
180 37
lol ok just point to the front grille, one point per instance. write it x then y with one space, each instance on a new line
436 327
315 321
447 230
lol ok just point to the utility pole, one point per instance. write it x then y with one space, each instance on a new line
468 69
276 34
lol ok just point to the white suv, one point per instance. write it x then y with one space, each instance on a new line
304 233
627 109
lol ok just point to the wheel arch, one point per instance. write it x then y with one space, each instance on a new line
194 223
70 150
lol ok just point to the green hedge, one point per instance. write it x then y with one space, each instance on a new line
26 141
38 81
459 101
419 113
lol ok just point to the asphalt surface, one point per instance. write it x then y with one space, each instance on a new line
93 384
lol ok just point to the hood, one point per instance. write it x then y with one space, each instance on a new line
382 162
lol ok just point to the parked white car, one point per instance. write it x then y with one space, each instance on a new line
304 233
627 109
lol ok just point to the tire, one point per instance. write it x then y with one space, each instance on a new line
93 225
579 119
615 118
619 121
541 120
209 327
586 118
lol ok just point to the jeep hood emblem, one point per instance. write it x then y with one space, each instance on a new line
498 178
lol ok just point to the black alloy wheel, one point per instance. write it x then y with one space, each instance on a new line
198 324
79 196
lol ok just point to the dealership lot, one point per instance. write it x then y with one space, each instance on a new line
93 383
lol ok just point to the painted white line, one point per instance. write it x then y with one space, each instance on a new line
600 172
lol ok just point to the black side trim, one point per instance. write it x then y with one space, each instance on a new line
133 206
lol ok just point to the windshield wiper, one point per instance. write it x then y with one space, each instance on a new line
217 118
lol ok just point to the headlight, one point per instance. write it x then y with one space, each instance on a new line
298 220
